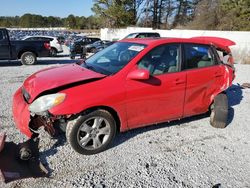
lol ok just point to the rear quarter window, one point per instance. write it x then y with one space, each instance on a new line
153 35
198 56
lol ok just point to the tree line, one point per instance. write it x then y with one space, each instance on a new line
158 14
169 14
37 21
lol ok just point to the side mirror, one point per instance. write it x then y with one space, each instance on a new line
139 74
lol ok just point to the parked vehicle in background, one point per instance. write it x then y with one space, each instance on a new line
27 51
56 45
78 46
71 39
61 39
130 84
142 35
105 45
97 46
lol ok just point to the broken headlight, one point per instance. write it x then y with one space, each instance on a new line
46 102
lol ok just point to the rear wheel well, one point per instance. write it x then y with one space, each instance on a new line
23 51
110 110
54 49
212 103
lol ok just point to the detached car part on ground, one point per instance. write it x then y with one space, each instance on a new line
130 84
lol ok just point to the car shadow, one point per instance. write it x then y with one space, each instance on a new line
60 141
119 139
123 137
234 94
235 97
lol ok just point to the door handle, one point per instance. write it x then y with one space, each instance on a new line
218 74
179 81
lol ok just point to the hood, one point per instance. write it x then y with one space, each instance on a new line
55 77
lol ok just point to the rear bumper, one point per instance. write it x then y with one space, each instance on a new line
21 113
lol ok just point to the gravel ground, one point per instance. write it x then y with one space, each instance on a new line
186 153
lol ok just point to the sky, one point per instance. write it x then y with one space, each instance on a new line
59 8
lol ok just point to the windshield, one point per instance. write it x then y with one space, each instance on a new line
113 58
130 36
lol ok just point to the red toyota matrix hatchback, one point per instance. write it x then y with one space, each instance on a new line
130 84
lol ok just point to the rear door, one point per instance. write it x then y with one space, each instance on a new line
204 77
4 46
161 97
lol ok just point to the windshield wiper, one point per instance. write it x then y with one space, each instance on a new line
90 67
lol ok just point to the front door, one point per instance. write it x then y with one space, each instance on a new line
161 97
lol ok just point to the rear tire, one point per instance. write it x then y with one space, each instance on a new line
91 133
28 58
53 52
219 111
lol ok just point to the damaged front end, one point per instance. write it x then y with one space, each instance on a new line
29 118
49 122
42 91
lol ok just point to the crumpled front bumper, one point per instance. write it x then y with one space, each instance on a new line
21 113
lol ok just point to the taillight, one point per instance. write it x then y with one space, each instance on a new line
47 45
231 60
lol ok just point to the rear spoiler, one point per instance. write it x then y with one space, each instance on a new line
221 43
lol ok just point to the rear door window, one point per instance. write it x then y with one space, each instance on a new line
198 56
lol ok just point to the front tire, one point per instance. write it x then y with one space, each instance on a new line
219 111
28 58
91 133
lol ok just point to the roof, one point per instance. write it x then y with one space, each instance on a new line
40 36
144 32
221 43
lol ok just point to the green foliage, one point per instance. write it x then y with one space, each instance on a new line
9 21
231 15
235 15
116 13
71 21
206 16
36 21
188 14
